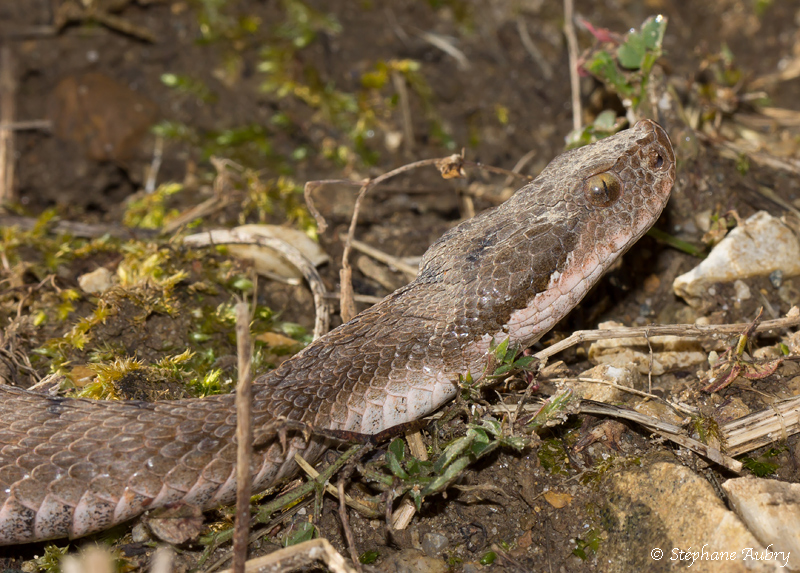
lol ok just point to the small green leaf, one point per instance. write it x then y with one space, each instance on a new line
643 47
479 449
631 53
394 465
603 66
488 558
417 467
452 471
493 427
606 120
398 448
524 362
304 532
500 370
586 546
653 32
242 283
501 350
368 557
451 452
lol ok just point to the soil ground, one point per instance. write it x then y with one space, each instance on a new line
295 92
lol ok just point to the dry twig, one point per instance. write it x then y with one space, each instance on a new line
8 94
244 438
791 319
574 80
670 431
297 556
348 533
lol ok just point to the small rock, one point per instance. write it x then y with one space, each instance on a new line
107 119
413 561
140 534
557 499
767 353
762 245
789 293
626 376
525 540
662 507
97 281
393 140
792 388
733 409
742 290
776 278
771 510
434 543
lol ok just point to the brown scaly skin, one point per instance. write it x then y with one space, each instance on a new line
70 467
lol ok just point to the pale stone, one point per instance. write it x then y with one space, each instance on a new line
762 245
771 510
96 282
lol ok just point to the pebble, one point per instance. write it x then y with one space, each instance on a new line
434 543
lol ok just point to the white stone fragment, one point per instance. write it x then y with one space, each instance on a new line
763 244
97 281
742 290
771 511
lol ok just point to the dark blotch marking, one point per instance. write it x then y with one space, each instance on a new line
474 255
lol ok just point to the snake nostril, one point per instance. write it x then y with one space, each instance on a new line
659 161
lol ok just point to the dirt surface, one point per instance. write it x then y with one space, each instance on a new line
293 92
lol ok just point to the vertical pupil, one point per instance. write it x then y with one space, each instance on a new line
601 190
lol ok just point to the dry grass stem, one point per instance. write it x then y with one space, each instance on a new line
447 47
244 438
572 48
762 428
361 506
31 124
82 230
8 95
791 319
348 533
155 165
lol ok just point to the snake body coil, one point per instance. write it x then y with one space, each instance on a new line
70 467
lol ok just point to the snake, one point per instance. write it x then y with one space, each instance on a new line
70 467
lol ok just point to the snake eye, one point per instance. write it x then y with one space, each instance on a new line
603 189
